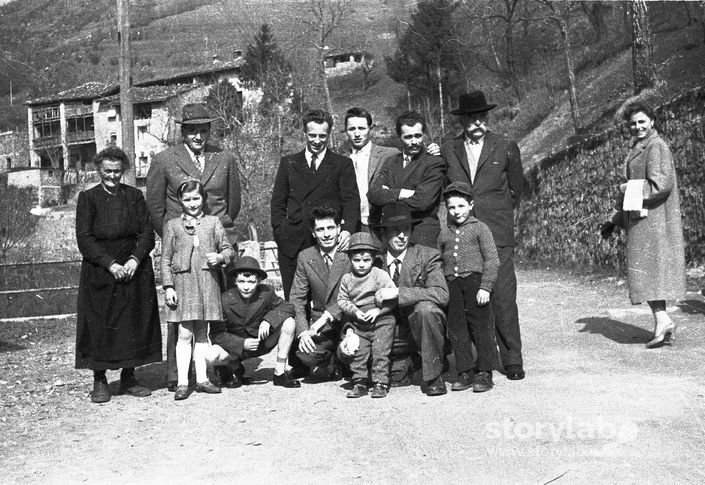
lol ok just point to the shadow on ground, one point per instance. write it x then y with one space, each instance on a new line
620 332
692 307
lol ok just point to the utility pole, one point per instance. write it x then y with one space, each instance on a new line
126 114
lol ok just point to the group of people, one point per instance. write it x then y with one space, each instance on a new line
374 285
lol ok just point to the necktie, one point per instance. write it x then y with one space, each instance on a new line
328 260
407 159
199 163
314 156
395 275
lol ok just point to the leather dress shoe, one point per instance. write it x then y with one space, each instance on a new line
465 381
436 387
483 382
514 372
208 387
171 386
298 372
181 393
131 387
379 390
101 392
358 390
227 378
285 380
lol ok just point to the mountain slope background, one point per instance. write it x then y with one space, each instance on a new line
49 45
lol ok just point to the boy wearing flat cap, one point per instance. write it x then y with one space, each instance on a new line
470 265
257 321
369 331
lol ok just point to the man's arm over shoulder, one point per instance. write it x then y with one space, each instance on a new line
430 284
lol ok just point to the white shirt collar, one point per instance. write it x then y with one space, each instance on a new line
319 157
330 253
390 258
365 150
192 153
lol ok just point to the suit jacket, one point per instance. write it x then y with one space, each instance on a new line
425 174
220 179
178 247
421 278
315 288
297 190
242 318
378 155
499 181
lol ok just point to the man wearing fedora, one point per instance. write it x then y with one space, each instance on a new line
491 165
192 159
412 178
305 180
419 298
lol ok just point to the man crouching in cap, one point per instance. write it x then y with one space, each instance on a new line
257 320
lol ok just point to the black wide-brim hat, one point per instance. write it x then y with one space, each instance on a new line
248 264
194 114
394 215
473 102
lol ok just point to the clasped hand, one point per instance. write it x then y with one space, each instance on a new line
123 272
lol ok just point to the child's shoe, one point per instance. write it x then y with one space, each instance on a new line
285 380
483 382
181 393
379 390
359 389
208 387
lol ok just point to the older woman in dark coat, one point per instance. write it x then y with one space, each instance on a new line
118 318
655 247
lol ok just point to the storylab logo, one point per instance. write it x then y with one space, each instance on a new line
568 429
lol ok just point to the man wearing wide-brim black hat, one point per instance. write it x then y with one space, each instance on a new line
419 297
194 158
491 165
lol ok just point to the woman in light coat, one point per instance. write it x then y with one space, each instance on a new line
655 247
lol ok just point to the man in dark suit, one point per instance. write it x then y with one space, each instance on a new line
314 295
192 159
491 164
420 298
413 178
305 180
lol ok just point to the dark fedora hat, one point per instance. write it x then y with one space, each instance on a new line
462 188
248 264
194 114
396 214
472 102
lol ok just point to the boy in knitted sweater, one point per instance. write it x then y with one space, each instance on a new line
470 265
369 332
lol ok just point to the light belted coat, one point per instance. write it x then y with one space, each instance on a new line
655 246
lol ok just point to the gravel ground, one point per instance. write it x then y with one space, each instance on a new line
596 407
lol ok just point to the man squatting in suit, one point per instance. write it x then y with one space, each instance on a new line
491 165
195 159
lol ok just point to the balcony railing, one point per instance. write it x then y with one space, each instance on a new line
80 137
47 141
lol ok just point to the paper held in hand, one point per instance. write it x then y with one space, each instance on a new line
634 197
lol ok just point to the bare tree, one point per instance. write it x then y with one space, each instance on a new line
560 15
324 17
644 70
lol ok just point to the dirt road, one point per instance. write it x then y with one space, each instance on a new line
596 407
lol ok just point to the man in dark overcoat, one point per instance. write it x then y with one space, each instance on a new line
491 165
195 159
413 178
305 180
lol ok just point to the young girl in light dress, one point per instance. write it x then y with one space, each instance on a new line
194 249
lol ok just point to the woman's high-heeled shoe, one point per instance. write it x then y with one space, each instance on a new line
666 336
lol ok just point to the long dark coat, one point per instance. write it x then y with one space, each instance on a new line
118 322
655 247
